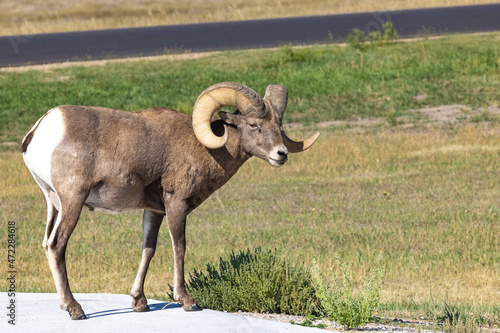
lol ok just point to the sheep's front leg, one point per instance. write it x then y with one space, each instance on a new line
151 223
176 218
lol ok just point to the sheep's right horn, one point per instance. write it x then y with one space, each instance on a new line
213 98
298 146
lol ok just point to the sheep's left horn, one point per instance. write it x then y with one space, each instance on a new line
298 146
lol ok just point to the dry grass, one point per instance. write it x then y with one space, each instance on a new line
37 16
421 203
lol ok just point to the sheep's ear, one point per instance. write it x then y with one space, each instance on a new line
231 118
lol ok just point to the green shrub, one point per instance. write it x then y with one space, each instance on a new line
390 33
356 39
255 282
339 301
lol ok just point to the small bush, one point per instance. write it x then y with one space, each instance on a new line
255 282
390 33
356 39
339 301
292 55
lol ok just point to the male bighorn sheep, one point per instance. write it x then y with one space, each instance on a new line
158 160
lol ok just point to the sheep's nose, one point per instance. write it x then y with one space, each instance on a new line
283 153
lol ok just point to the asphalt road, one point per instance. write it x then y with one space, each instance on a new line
147 41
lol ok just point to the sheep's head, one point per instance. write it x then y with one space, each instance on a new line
259 120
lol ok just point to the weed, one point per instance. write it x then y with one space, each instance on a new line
390 33
294 55
339 300
357 38
309 322
457 321
392 118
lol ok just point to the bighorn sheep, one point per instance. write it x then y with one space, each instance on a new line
158 160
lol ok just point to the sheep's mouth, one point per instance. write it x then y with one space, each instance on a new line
277 163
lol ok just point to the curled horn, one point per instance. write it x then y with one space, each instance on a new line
213 98
277 96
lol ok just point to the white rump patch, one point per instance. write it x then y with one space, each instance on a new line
38 155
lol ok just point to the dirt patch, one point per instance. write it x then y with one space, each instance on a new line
429 116
451 114
350 124
362 122
399 325
445 113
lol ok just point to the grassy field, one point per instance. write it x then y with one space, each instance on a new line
36 16
421 201
325 83
371 197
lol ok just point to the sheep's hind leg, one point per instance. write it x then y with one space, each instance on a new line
55 242
151 223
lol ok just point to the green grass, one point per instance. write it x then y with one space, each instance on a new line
325 83
422 203
432 310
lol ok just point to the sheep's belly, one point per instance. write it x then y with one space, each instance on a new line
110 199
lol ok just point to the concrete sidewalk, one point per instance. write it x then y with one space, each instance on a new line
113 313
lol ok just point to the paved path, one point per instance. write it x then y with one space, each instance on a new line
112 313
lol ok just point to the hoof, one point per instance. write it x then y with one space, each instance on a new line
193 307
75 311
144 308
80 316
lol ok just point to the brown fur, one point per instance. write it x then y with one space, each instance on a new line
115 160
